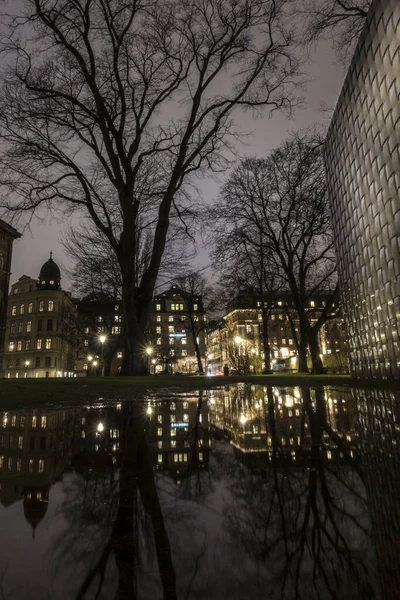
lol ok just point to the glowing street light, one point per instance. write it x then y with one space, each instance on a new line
242 419
149 352
149 410
102 340
100 427
238 340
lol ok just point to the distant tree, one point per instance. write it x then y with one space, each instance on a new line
284 199
110 110
341 20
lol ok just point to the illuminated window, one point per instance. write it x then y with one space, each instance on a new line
18 464
158 319
34 421
86 342
21 309
43 422
159 458
11 347
116 330
51 304
19 345
159 341
173 443
171 329
29 326
13 420
41 306
85 366
158 329
9 463
290 342
171 318
173 432
184 341
30 307
20 442
172 418
186 418
159 431
48 344
41 465
1 462
312 303
171 341
30 467
119 354
158 306
184 353
14 309
329 454
159 418
185 405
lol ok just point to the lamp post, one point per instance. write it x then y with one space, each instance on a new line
149 352
153 362
27 363
102 339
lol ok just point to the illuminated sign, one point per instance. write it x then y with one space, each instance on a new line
177 335
175 425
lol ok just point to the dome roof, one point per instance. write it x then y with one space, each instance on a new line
50 275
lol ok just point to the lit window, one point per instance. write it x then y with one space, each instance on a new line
173 443
186 418
43 422
48 344
312 303
171 318
200 457
171 329
159 458
158 329
184 352
41 306
119 354
39 344
13 420
30 467
19 345
14 309
9 463
172 418
117 319
116 330
1 462
30 307
329 454
116 307
173 432
51 281
159 443
20 442
159 431
158 306
34 420
158 319
86 342
51 304
41 465
21 309
29 326
184 341
195 307
290 342
159 341
171 341
11 347
159 418
185 405
18 464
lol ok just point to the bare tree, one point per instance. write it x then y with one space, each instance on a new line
110 110
283 199
341 20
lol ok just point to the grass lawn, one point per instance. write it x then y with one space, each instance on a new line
27 392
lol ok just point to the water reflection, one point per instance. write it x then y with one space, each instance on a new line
242 492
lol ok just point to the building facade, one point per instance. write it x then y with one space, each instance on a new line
41 327
7 236
237 342
362 157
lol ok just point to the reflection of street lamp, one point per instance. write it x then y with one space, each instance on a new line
149 352
153 362
238 341
102 339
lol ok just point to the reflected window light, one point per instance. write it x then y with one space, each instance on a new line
329 454
159 458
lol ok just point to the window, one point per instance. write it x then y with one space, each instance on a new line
30 307
158 329
99 319
31 466
119 354
195 307
49 324
9 363
85 366
29 327
37 361
1 462
20 442
158 319
312 303
11 347
40 325
172 418
159 341
34 421
9 463
116 330
171 329
18 464
18 363
184 341
173 443
47 361
159 443
184 352
19 345
41 306
176 306
117 319
284 341
86 330
21 309
173 432
41 465
20 326
39 344
51 305
159 458
186 418
171 318
159 431
180 457
158 306
248 328
12 327
171 341
14 309
43 422
290 341
86 342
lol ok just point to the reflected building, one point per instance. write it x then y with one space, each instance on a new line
274 424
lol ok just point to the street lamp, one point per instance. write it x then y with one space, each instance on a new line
27 363
102 339
153 362
149 352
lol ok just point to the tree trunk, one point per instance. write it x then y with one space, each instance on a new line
198 357
303 367
265 339
133 360
317 365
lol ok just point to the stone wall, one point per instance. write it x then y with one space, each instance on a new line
362 158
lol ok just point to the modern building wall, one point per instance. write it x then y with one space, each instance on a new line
362 156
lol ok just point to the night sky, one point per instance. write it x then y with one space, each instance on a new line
325 80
